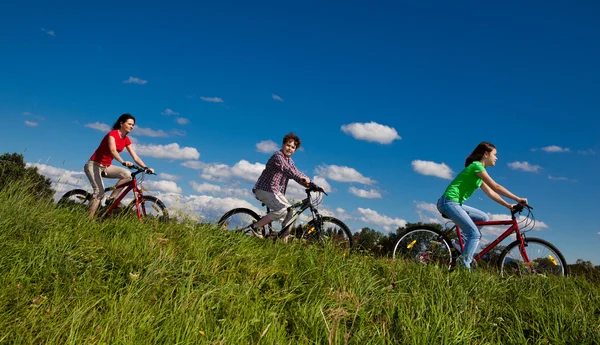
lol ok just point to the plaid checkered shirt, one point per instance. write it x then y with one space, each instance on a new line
277 173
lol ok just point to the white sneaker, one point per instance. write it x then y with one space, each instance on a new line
256 232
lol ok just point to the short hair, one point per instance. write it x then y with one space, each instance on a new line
294 137
123 118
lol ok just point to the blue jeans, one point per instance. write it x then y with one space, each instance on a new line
464 216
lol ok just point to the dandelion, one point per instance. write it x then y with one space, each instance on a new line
18 286
201 332
73 280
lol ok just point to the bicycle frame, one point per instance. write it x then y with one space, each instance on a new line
131 186
298 208
514 227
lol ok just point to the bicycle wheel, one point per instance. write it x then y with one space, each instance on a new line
332 229
238 219
544 259
151 209
426 245
76 199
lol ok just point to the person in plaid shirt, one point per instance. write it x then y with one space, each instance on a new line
272 183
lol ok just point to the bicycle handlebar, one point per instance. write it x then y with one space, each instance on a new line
312 187
518 208
139 169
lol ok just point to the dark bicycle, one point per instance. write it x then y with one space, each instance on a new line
318 228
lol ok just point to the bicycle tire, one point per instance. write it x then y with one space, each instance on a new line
227 221
346 233
424 244
74 198
546 259
147 204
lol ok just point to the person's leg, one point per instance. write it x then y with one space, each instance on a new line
93 171
122 174
470 232
277 204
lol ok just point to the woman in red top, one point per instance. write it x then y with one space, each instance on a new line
100 164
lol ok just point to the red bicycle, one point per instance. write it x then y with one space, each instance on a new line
526 255
146 207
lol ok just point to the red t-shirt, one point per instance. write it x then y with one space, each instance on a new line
102 154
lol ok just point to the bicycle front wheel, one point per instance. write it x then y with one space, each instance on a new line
76 199
239 220
150 209
425 245
543 257
332 229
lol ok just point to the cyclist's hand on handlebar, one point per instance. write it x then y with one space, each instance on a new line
523 201
306 181
127 164
149 171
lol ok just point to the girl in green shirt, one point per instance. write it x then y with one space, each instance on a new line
473 176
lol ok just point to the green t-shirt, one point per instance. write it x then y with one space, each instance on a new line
465 183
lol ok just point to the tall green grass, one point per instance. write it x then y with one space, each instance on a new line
66 279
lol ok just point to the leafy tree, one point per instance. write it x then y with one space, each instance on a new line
13 169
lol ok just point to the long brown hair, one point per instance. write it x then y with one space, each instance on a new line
479 151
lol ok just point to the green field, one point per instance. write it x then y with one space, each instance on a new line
70 280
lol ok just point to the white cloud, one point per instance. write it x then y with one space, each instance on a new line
169 112
428 213
163 186
560 178
214 189
371 131
147 132
277 98
213 171
63 180
342 174
182 120
428 168
178 132
554 148
30 123
212 99
389 224
524 166
587 152
363 193
169 177
208 207
197 165
267 146
99 126
170 151
134 80
49 32
247 171
322 182
205 187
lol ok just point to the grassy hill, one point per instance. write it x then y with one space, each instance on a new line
66 279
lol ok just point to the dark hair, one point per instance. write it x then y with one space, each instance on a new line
292 136
123 118
479 151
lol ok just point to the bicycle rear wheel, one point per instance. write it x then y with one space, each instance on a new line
150 209
76 199
332 229
544 259
238 220
425 245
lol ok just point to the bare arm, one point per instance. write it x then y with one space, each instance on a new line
112 146
494 196
497 188
134 155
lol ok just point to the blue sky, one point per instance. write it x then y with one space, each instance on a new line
388 98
